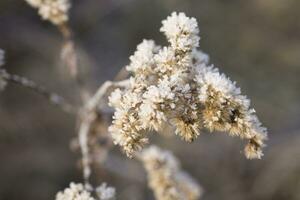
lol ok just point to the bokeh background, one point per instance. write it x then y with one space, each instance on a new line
256 43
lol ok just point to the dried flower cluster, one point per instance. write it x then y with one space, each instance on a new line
79 192
55 11
166 178
2 71
176 86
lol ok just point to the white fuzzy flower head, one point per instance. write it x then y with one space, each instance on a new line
142 60
55 11
181 31
175 86
166 178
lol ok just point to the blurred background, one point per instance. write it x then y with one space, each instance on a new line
256 43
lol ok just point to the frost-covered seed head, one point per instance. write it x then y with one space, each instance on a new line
181 31
175 85
142 61
56 11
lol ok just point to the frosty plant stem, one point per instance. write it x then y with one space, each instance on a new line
53 98
89 115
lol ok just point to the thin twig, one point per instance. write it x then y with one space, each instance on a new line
53 98
89 112
84 130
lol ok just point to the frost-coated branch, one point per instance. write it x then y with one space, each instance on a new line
89 115
53 98
57 12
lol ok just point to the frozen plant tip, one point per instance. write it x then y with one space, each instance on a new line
55 11
166 178
175 85
80 192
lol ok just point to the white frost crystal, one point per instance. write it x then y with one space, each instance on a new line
175 85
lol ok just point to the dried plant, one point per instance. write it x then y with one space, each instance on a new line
172 86
176 86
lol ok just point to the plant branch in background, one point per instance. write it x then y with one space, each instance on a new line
57 12
52 97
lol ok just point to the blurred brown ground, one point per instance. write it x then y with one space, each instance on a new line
256 43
